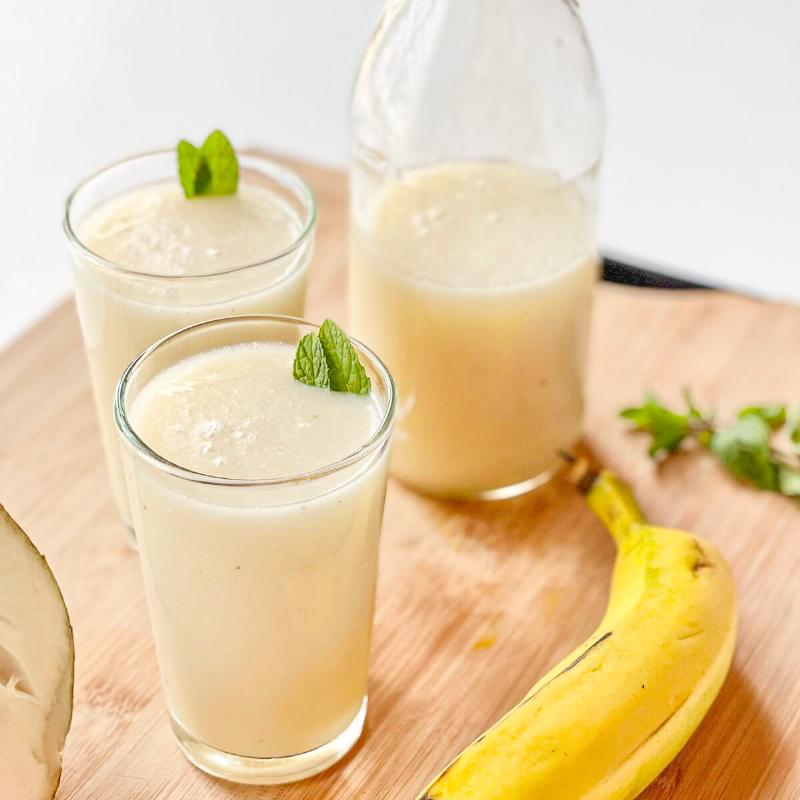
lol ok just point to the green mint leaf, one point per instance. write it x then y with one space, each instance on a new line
209 170
222 164
192 169
788 480
773 415
667 428
744 448
310 365
346 371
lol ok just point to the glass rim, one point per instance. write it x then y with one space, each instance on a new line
132 439
306 193
360 151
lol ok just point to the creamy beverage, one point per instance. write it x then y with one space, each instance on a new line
147 262
474 280
260 586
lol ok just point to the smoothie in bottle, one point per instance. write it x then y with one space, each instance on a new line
474 280
476 133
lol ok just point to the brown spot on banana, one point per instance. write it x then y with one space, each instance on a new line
702 561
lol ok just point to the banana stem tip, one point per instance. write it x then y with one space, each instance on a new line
582 474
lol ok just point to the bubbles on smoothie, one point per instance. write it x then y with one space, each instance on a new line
207 428
237 412
154 229
436 214
420 224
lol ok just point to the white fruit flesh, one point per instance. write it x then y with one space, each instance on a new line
36 669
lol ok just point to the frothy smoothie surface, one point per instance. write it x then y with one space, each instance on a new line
156 230
237 412
478 225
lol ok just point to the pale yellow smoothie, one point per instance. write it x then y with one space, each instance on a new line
148 262
474 280
261 596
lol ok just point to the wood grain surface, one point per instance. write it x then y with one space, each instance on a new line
475 600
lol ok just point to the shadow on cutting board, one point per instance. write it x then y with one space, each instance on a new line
736 723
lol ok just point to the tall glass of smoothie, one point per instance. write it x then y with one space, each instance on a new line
257 502
147 261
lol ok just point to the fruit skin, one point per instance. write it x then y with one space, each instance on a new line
59 714
606 720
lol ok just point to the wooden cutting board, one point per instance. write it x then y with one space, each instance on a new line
475 601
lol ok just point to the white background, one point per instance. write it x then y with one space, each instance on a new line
702 162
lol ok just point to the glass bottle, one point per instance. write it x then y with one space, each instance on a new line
476 133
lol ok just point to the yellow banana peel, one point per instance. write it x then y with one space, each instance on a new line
605 721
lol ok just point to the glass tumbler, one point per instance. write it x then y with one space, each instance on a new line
260 592
123 308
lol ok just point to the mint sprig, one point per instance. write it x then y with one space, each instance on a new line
667 428
746 447
346 371
310 365
328 360
211 169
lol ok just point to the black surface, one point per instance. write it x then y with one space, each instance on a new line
619 272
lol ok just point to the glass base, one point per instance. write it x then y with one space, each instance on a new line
502 493
265 771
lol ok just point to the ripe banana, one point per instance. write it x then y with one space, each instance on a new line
605 721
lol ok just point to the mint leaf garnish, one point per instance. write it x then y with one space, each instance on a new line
745 450
310 365
745 447
192 169
667 428
222 164
329 360
209 170
346 371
